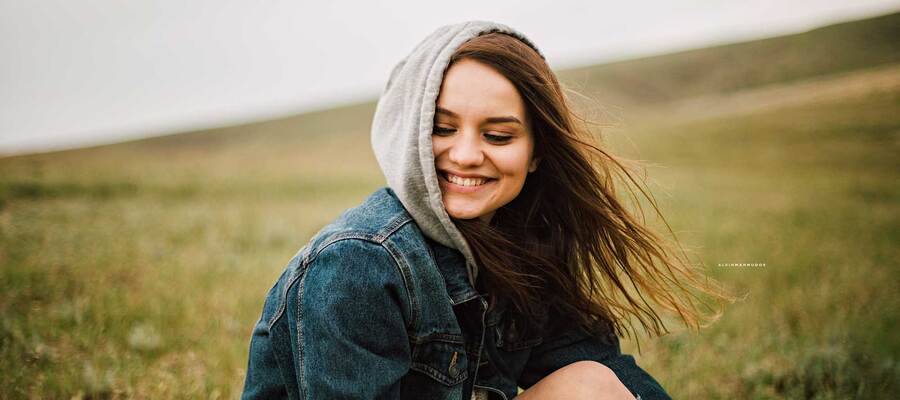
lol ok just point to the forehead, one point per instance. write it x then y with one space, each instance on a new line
473 89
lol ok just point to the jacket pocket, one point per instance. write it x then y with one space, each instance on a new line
441 357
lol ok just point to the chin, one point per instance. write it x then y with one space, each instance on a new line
464 214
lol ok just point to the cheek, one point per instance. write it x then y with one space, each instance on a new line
513 163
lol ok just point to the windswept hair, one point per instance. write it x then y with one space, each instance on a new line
567 242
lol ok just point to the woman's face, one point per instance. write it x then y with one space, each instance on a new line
481 141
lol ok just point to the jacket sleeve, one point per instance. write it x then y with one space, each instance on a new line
567 343
347 322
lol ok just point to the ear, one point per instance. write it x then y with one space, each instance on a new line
534 164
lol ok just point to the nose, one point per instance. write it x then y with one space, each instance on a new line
466 150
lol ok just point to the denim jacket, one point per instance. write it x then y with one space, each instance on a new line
372 309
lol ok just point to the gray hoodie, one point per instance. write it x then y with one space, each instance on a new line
402 127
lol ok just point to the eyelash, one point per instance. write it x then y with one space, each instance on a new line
493 138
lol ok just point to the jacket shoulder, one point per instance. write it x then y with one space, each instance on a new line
378 217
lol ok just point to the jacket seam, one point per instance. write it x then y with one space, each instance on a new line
472 296
397 266
300 354
438 375
282 296
407 282
337 238
439 337
309 256
392 227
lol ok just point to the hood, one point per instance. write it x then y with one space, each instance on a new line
402 127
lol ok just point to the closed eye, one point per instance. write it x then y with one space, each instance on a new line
497 138
443 131
491 138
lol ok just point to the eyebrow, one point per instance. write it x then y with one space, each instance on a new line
491 120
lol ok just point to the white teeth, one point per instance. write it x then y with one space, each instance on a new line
465 181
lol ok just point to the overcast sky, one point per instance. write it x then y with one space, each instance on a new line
82 72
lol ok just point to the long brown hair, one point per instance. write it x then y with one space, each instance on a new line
567 242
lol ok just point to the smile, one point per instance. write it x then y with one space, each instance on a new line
463 184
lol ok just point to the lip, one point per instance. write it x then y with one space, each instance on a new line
447 185
461 175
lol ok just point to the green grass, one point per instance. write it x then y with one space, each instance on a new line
139 272
142 286
138 269
812 192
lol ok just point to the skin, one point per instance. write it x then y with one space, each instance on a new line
580 380
470 140
481 130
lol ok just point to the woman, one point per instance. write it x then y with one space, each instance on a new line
493 260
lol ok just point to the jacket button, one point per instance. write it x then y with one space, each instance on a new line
453 370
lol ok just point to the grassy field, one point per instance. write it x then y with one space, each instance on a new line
138 269
812 192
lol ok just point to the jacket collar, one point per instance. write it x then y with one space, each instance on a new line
452 266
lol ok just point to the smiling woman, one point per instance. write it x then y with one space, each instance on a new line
496 258
482 151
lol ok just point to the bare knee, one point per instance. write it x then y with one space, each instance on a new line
579 380
590 378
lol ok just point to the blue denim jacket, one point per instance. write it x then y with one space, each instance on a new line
372 309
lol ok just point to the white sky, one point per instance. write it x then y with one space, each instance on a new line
75 73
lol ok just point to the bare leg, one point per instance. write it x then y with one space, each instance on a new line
579 380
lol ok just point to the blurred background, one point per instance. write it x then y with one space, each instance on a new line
162 161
